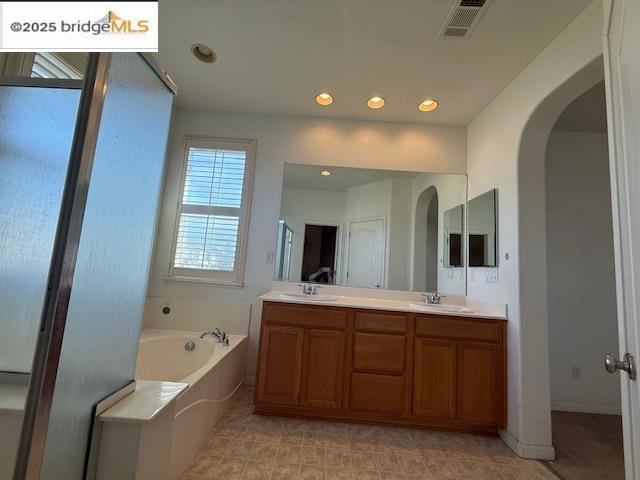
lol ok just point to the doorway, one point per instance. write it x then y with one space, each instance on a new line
425 253
319 254
367 253
581 294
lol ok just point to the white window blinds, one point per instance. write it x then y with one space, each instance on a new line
212 210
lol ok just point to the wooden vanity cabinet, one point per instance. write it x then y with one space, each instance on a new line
382 367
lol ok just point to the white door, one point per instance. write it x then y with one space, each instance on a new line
622 75
366 253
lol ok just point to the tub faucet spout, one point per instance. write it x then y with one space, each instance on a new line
217 334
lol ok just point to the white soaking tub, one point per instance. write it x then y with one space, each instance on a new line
213 372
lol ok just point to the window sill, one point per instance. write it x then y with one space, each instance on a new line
206 281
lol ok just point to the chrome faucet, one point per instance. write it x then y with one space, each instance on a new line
309 288
217 334
433 298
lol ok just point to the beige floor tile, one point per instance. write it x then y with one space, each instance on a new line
339 473
388 463
231 468
238 448
314 456
289 454
313 472
286 471
363 460
339 458
257 471
264 451
204 465
367 475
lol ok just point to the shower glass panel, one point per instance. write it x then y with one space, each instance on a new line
109 285
36 130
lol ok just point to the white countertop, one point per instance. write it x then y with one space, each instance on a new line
144 403
12 398
479 308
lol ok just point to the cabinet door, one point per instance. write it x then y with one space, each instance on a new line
479 382
280 365
434 384
323 368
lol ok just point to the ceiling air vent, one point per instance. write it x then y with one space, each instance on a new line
463 18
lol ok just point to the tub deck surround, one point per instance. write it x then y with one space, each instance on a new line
379 361
145 403
155 432
12 398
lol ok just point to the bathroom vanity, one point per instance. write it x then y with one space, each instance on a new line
392 364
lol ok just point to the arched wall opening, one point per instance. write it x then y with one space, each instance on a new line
534 328
425 256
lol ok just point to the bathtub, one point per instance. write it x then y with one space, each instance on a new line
213 372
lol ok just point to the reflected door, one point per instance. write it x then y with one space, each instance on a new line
366 253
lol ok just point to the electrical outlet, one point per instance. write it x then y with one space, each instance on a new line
575 372
491 275
269 258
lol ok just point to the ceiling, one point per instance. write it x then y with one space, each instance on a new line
587 113
275 55
307 177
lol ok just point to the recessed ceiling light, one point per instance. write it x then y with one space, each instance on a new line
375 102
325 173
203 53
324 99
428 105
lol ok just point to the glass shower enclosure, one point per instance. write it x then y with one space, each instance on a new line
81 167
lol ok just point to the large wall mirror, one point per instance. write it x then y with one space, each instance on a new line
483 238
372 228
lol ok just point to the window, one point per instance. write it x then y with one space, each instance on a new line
58 65
213 211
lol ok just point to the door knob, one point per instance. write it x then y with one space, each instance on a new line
627 364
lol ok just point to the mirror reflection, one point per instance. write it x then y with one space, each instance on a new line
482 230
453 234
372 228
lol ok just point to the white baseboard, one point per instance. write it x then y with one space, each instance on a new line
250 380
533 452
580 408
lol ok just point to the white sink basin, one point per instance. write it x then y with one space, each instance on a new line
427 307
307 297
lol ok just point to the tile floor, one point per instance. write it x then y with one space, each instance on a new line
247 446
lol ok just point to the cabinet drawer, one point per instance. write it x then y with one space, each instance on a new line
380 322
379 352
458 328
312 317
377 393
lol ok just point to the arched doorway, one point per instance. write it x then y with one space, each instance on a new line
425 255
532 275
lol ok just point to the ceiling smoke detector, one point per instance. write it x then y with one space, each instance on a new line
463 18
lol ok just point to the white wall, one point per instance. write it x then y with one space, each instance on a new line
312 206
494 161
283 139
452 191
581 288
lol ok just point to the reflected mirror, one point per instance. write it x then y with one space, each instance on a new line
483 243
371 228
453 234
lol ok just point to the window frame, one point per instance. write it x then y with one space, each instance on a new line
234 278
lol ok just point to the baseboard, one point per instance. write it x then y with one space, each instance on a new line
580 408
533 452
250 380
